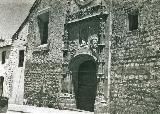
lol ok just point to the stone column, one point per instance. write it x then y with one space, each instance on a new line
72 101
67 96
100 102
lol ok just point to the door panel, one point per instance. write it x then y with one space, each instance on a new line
86 86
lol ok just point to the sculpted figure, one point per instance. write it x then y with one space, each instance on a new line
93 42
72 48
84 44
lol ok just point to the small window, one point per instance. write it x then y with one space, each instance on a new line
43 21
3 57
1 85
21 58
133 21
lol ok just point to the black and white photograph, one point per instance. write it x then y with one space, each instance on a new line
80 56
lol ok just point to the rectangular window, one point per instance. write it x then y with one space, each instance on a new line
21 58
3 57
1 85
43 21
133 21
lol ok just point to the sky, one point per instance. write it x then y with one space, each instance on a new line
12 14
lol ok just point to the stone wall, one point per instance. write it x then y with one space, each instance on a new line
4 70
42 84
135 59
17 73
134 56
43 62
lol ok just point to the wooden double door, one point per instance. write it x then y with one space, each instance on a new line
87 86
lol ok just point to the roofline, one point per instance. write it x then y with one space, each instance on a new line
35 4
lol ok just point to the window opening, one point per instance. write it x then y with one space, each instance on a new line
3 57
43 21
21 58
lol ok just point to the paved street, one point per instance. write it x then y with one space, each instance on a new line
31 109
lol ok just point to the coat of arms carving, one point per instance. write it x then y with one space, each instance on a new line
83 2
93 43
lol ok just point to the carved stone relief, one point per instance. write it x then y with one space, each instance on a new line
83 2
82 13
88 39
72 48
93 40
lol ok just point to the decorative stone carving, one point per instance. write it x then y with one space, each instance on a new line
84 44
84 13
102 34
65 36
72 48
90 45
83 2
93 40
65 41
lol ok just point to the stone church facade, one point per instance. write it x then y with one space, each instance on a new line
95 55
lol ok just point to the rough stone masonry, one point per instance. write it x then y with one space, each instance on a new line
128 84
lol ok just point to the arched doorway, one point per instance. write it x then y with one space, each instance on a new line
87 86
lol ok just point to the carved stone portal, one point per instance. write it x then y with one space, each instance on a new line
84 41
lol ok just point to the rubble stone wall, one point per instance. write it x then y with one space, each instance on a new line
43 62
135 59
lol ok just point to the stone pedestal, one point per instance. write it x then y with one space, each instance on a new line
101 107
67 101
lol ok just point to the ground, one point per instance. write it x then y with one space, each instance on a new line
32 109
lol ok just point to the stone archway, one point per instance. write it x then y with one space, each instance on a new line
84 79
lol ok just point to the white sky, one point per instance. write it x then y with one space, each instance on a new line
16 1
12 14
